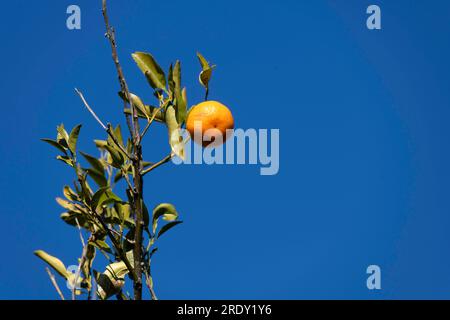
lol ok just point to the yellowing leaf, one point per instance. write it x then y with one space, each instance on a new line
175 134
112 280
66 204
202 60
53 262
100 143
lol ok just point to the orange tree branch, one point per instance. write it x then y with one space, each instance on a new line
137 197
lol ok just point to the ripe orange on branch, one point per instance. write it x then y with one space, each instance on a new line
209 115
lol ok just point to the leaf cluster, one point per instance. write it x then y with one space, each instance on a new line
91 203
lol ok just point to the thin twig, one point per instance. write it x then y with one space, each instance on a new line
106 128
110 35
55 284
121 236
113 137
77 275
127 179
80 266
159 163
151 120
89 108
105 254
81 234
149 285
94 289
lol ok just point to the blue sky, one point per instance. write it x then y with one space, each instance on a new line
363 118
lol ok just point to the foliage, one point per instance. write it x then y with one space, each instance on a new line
91 203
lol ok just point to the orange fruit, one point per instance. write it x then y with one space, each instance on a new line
209 115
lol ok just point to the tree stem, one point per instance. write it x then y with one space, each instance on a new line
137 199
55 284
139 222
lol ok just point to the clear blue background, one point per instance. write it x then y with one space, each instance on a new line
364 159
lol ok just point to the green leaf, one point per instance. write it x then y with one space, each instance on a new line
176 75
102 245
128 241
66 160
55 144
90 256
171 80
72 217
53 262
151 69
206 73
104 196
123 211
112 216
165 210
73 138
62 136
180 101
97 195
183 112
94 162
137 102
146 216
116 156
167 227
98 177
154 250
127 168
97 172
85 188
150 110
175 138
118 134
204 77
